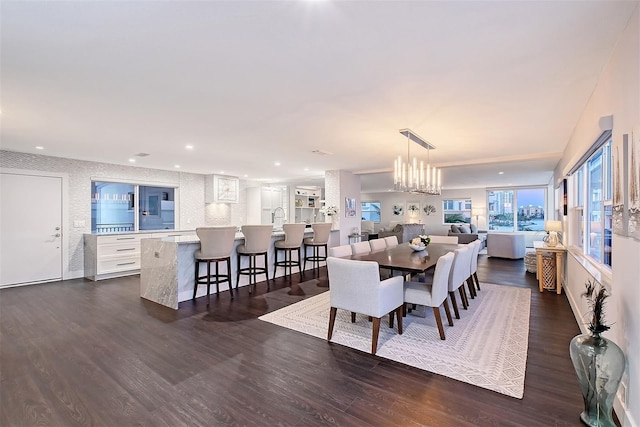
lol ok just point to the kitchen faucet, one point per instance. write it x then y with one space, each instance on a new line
278 214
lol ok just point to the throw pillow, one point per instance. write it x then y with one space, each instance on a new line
474 228
454 228
465 229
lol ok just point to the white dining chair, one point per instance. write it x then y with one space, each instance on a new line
356 287
473 276
340 251
360 248
458 277
391 241
452 240
433 294
377 244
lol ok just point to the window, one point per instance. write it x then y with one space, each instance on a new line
118 207
521 209
371 211
456 211
591 215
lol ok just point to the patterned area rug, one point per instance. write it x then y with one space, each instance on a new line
487 347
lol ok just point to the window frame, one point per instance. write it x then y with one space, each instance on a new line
466 200
515 206
378 212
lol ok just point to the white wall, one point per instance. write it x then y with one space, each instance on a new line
340 184
617 93
433 222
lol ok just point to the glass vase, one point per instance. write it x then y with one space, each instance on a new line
599 364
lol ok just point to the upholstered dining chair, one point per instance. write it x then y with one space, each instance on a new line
356 287
473 276
452 240
216 245
360 248
340 251
391 241
433 294
377 244
458 277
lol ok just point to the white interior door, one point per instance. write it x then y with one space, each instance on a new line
30 229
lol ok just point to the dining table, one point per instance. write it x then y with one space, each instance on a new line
404 259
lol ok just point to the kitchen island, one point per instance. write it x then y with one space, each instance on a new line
167 267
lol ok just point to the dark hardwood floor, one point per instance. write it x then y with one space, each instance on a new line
85 353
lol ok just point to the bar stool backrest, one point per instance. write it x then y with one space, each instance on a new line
257 237
321 231
293 234
215 242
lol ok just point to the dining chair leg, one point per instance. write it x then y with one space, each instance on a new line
374 335
463 297
475 276
472 287
436 313
399 316
332 321
448 312
391 314
353 317
452 295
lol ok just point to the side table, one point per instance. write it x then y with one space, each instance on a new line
559 251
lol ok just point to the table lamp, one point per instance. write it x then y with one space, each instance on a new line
553 227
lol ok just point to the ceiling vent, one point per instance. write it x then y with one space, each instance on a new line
321 152
141 155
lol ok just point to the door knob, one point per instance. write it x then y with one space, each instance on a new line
57 228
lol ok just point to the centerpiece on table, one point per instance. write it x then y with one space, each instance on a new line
420 242
599 362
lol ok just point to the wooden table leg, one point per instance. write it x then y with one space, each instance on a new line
539 270
558 273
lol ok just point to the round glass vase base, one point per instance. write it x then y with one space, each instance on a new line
597 421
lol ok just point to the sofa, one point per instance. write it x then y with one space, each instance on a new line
404 232
467 233
506 245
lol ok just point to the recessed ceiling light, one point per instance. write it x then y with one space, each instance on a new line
189 147
222 172
500 173
39 147
277 163
176 166
306 169
132 160
246 176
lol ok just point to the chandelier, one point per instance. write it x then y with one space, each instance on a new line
411 178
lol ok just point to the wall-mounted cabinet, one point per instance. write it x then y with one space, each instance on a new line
307 204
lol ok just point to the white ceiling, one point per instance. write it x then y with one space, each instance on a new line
251 83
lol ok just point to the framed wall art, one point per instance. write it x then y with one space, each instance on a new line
413 208
226 189
398 209
349 207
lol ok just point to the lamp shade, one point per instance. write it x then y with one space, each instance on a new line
553 226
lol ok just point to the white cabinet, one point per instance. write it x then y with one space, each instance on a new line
262 203
307 205
107 256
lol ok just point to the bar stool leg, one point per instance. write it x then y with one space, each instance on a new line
300 261
195 280
238 271
208 280
229 277
266 271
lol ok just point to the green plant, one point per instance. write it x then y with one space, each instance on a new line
595 300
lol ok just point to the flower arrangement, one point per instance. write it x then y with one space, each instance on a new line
329 210
595 301
421 240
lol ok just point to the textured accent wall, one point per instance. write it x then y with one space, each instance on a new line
191 192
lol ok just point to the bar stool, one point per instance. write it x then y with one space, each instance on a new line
256 242
216 245
293 235
320 239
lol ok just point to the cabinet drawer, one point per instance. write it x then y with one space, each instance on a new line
115 265
120 249
122 238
